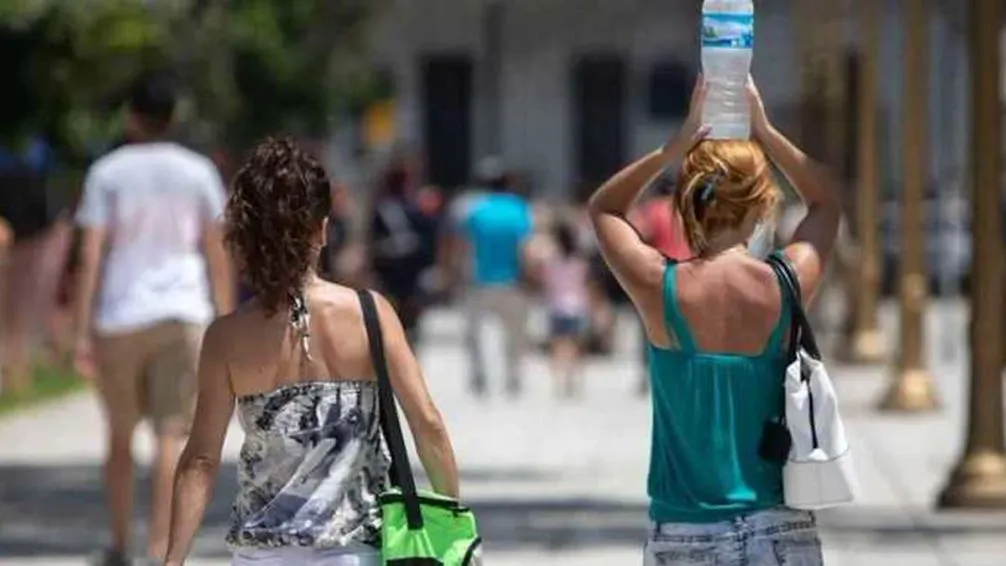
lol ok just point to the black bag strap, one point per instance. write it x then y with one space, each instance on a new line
401 471
800 331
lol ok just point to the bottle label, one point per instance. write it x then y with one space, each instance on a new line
731 31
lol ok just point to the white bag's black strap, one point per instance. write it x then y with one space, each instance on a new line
801 334
800 331
401 471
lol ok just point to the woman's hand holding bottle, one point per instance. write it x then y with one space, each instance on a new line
760 125
692 130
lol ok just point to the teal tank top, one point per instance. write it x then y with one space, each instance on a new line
709 410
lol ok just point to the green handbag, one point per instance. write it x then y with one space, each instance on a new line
418 528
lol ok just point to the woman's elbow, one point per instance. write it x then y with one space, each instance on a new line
198 461
429 428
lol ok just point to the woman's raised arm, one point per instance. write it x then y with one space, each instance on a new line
637 265
814 237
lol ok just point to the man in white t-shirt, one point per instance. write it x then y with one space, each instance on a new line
153 274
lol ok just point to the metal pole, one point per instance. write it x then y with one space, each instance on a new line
810 75
867 341
912 389
979 479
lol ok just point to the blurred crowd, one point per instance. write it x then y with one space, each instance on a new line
121 281
490 247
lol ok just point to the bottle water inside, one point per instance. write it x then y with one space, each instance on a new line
727 48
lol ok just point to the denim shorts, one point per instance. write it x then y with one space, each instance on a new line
294 556
777 537
567 325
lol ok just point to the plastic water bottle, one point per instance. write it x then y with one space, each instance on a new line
727 48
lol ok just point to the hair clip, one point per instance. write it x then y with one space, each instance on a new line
707 191
704 195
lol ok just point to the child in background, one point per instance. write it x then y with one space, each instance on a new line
567 300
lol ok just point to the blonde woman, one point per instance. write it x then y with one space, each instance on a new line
716 326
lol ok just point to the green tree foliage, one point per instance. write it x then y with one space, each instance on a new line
251 67
67 61
295 64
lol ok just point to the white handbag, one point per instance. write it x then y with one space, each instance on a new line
819 471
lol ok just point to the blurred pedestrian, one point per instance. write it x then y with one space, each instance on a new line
337 234
659 222
717 325
41 233
497 227
6 242
152 269
399 238
568 303
434 281
6 238
600 331
454 259
296 362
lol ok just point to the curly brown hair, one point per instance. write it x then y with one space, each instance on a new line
278 203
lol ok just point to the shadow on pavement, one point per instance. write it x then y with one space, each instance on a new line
873 525
59 511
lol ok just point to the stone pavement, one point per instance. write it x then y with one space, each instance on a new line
551 482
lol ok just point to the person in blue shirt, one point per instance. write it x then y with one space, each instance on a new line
496 227
717 327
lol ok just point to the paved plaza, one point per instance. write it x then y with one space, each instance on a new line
552 482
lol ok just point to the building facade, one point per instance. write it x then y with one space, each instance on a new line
565 91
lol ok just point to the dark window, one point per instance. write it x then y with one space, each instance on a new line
670 87
599 82
447 118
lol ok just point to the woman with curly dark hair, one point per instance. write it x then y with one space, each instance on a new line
295 361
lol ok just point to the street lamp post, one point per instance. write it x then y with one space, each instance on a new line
867 341
832 53
809 54
831 36
912 389
979 479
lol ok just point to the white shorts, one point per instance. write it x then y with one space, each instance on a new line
294 556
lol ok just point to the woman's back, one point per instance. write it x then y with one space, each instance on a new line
296 361
714 390
312 463
731 303
266 352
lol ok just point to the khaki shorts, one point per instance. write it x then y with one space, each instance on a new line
150 373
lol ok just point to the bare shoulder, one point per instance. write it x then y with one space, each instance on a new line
336 303
751 281
767 281
220 334
338 319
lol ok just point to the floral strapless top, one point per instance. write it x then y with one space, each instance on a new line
311 468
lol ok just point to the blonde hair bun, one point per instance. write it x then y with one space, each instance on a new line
721 184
